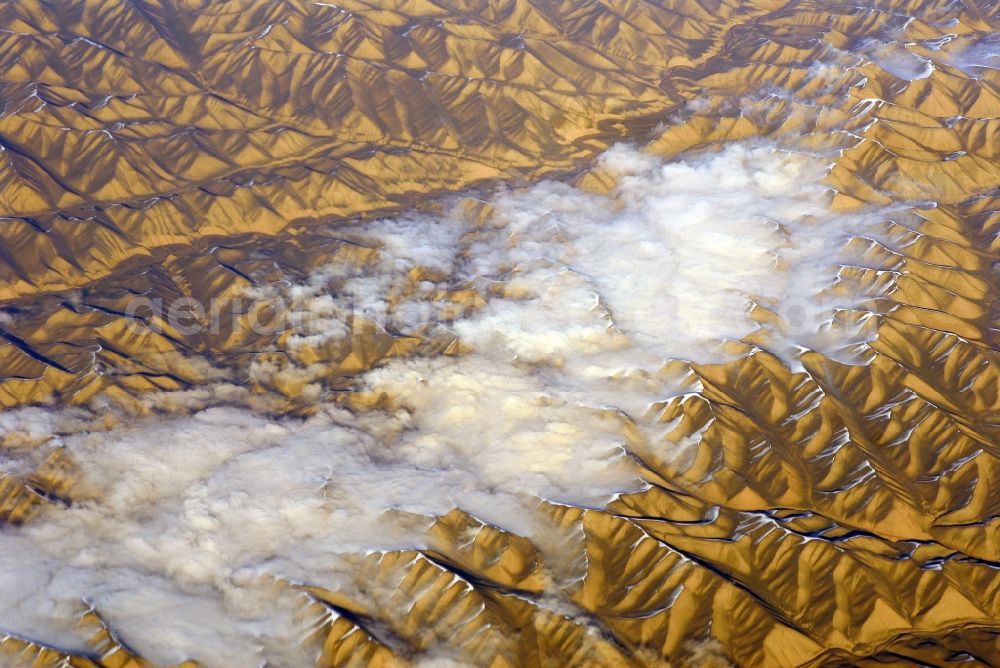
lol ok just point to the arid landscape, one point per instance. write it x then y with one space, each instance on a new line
502 333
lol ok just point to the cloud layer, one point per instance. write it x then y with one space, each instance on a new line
583 299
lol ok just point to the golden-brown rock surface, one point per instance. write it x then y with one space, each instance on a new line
837 515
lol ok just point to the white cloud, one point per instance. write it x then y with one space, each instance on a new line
897 60
197 513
